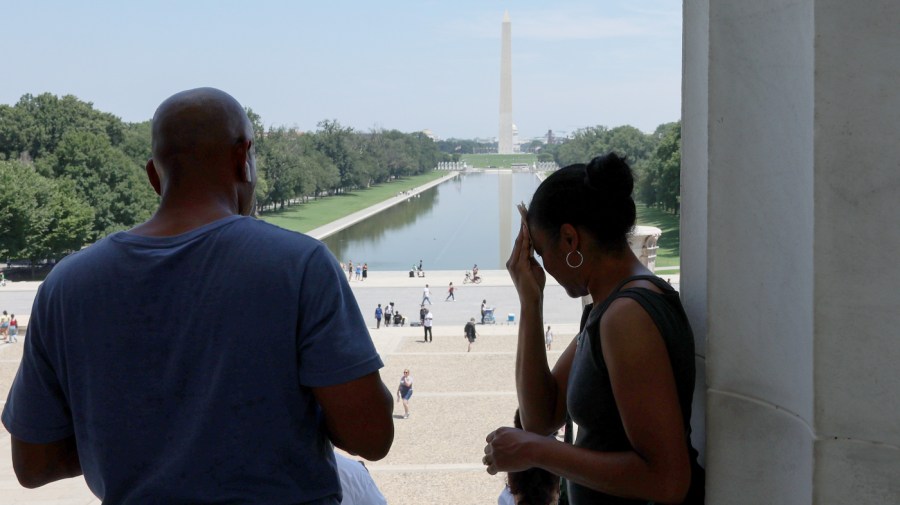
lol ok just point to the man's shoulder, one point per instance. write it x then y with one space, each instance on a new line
264 228
272 241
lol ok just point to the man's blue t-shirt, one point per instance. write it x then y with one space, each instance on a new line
183 365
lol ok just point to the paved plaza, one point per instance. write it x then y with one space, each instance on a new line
458 397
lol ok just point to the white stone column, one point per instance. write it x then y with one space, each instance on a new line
802 294
857 240
694 152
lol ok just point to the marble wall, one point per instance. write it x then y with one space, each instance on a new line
789 168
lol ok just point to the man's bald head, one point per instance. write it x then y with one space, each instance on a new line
196 124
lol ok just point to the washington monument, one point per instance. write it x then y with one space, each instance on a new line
505 138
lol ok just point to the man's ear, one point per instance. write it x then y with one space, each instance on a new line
246 173
153 176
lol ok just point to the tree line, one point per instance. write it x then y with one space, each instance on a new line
70 174
655 158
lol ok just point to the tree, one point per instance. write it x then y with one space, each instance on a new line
661 185
136 142
281 166
104 177
333 140
587 143
41 218
37 124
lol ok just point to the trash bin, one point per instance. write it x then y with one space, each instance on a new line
510 318
412 273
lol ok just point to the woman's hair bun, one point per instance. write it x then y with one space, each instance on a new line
610 175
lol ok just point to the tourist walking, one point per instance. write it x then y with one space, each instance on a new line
365 271
422 312
548 338
388 313
450 295
378 313
358 272
4 324
469 333
636 375
405 391
427 324
426 295
13 329
483 307
349 270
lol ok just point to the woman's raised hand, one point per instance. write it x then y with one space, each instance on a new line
527 274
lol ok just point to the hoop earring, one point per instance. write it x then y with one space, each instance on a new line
579 263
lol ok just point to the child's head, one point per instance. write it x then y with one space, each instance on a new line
534 486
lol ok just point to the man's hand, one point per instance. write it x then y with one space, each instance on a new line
39 464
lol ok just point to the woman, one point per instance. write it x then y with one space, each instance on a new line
404 392
627 380
13 329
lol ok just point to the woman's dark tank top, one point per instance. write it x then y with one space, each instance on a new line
590 398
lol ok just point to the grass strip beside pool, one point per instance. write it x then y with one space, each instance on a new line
315 213
497 160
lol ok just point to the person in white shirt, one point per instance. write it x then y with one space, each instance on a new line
357 485
426 295
428 320
548 338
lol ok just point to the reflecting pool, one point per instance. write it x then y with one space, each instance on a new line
467 220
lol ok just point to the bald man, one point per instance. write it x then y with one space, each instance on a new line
202 356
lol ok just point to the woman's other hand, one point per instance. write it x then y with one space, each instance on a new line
509 449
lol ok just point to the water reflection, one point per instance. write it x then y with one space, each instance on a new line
452 226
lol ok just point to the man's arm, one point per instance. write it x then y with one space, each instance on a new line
358 415
39 464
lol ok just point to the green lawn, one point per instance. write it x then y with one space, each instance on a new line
497 160
308 216
669 252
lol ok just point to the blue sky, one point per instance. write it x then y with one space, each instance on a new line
402 65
